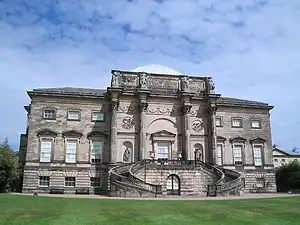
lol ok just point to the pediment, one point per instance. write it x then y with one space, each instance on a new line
163 133
257 140
72 133
238 139
96 134
220 138
47 132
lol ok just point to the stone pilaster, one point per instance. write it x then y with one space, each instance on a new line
187 154
142 150
113 131
212 111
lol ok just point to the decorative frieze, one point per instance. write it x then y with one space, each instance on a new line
163 111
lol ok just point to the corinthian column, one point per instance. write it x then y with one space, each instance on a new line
113 131
143 109
186 128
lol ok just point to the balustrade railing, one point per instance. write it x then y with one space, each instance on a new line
117 177
130 175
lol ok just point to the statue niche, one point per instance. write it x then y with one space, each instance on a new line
127 152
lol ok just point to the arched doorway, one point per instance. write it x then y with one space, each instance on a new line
173 185
198 151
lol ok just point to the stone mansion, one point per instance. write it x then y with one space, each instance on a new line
153 131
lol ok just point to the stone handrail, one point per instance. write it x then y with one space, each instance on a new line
117 177
234 184
177 164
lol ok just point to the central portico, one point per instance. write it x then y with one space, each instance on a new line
161 114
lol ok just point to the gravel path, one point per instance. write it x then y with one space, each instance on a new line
245 196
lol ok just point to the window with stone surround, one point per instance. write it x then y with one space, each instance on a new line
71 150
219 154
97 116
44 181
45 149
49 114
219 122
237 154
236 122
257 154
96 151
70 181
73 115
95 182
163 150
256 124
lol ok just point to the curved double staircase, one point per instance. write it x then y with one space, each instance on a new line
125 179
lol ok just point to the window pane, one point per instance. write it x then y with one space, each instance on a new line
45 151
219 154
70 158
70 181
236 122
73 115
98 116
71 146
255 124
44 181
49 114
218 122
96 151
257 152
163 150
237 153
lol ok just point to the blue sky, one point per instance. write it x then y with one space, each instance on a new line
251 48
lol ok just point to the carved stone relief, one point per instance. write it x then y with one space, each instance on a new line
197 126
143 80
127 123
161 111
159 82
186 109
129 80
128 109
115 78
197 86
185 84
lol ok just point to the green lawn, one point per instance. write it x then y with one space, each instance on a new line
47 210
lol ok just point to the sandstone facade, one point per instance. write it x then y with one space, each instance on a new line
144 116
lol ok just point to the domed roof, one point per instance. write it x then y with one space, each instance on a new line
158 69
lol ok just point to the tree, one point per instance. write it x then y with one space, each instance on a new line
294 149
288 177
9 166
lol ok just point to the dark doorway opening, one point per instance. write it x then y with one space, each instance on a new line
173 185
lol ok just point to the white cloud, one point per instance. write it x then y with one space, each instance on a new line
250 48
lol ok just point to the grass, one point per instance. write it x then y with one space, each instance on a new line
15 209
